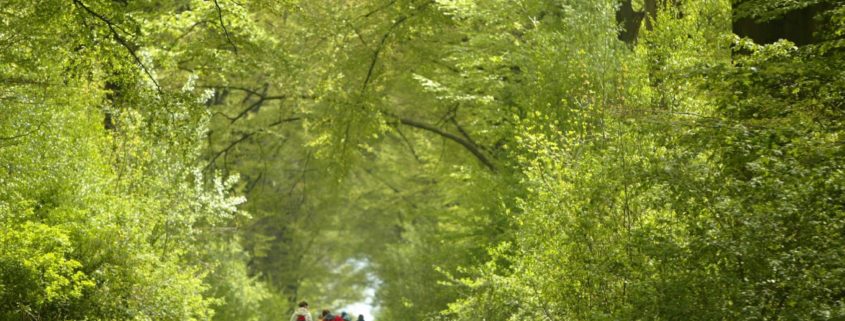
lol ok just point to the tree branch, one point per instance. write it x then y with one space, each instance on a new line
472 148
246 136
255 105
378 51
254 183
410 146
284 120
18 136
244 89
226 150
464 132
223 25
120 40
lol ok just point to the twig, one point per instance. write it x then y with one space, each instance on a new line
15 136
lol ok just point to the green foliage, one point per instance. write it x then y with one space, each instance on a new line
36 268
695 202
472 160
761 10
102 204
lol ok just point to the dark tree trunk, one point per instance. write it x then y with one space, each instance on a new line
112 94
630 21
650 7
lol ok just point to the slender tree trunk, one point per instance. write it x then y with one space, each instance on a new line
650 7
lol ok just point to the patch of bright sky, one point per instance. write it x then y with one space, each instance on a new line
364 308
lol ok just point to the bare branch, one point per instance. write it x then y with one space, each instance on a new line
358 33
284 120
410 146
254 183
244 89
383 181
120 40
223 25
244 137
387 34
255 105
378 51
226 150
261 98
464 132
471 147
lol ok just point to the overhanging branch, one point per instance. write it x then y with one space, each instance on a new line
120 40
472 148
378 51
223 25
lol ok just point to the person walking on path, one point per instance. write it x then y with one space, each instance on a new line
360 317
327 315
301 313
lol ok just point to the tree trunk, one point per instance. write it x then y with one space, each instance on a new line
630 21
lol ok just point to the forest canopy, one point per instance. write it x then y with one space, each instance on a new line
466 159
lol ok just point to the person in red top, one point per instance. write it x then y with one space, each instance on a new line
301 313
328 316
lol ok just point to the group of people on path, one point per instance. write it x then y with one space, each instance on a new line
303 314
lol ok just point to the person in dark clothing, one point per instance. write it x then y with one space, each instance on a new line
326 315
360 317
